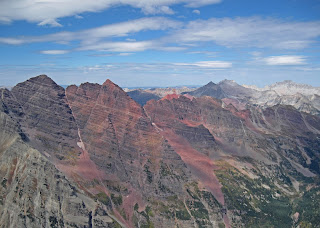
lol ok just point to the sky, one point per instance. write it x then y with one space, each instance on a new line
160 42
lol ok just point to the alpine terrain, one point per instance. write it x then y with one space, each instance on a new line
222 155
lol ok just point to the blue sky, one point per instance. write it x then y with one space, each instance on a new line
160 42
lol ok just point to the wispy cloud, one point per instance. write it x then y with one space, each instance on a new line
285 60
94 35
238 32
119 46
78 16
48 12
196 11
250 32
94 39
50 22
54 52
210 54
208 64
11 41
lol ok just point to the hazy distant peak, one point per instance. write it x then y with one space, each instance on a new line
227 81
288 87
211 83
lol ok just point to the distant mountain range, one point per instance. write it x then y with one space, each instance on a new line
303 97
223 155
143 96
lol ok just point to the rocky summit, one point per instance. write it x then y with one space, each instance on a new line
223 155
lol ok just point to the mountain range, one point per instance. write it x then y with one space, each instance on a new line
222 155
303 97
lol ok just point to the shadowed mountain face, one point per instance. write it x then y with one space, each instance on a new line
142 97
211 89
91 156
33 193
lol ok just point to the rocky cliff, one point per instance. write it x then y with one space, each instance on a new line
33 193
90 156
258 157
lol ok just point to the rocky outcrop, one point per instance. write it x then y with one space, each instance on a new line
33 193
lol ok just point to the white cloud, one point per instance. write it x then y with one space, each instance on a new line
250 32
255 53
94 39
95 34
208 64
119 46
237 32
285 60
51 22
12 41
46 12
78 16
199 3
125 54
127 47
54 52
207 53
196 11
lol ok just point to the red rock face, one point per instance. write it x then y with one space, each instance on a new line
171 96
119 138
182 122
224 132
167 156
40 106
110 125
203 131
117 133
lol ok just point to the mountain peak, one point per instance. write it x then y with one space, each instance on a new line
287 81
108 82
44 79
210 84
41 81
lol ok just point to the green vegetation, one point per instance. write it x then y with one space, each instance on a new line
164 170
308 207
257 205
53 222
4 183
149 174
198 210
103 198
147 214
183 215
123 214
117 200
115 224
